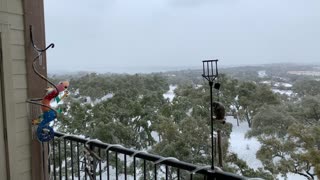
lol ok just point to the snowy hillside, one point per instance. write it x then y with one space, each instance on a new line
247 148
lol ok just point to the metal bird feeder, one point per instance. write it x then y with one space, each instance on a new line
210 73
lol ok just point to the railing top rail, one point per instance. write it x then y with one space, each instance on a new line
151 157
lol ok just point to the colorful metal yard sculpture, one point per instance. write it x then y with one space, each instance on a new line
44 131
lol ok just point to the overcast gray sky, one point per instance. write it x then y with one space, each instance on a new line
113 34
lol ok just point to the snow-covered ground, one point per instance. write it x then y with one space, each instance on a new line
266 82
277 84
287 85
247 148
104 98
170 94
286 92
262 74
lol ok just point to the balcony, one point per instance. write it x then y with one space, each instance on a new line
76 157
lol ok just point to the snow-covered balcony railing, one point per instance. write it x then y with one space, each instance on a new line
74 157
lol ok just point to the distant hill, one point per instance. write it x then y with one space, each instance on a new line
285 71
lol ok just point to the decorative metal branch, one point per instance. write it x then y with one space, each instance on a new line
40 51
35 47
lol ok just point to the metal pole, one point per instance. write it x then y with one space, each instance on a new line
211 115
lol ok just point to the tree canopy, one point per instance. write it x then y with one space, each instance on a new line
131 110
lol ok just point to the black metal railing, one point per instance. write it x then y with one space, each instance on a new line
75 157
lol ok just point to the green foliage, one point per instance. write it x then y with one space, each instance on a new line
307 87
96 86
188 141
290 137
184 77
252 97
125 117
309 109
271 120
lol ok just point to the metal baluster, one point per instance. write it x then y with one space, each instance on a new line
78 159
134 168
85 163
108 171
116 154
125 167
144 170
65 158
49 159
71 148
178 174
167 169
54 159
191 176
92 164
60 169
100 174
155 171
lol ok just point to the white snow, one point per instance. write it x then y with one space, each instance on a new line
286 92
247 148
198 86
103 98
262 74
170 94
266 82
287 85
149 123
155 136
76 92
189 112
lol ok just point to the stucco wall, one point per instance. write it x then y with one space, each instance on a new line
15 88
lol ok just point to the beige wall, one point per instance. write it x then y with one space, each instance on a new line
15 89
3 172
